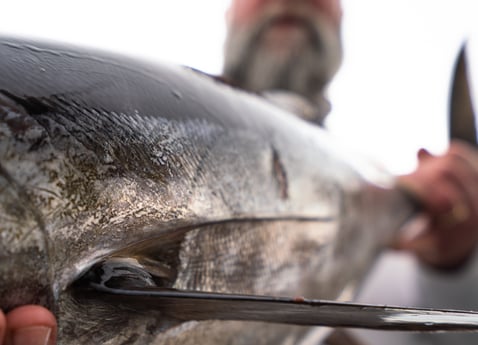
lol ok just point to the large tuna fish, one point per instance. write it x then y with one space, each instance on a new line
132 175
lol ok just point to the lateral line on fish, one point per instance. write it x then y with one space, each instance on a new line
179 231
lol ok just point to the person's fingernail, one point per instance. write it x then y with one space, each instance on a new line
423 153
34 335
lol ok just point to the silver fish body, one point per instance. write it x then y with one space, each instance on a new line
174 180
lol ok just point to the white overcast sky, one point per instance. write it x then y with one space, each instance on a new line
389 99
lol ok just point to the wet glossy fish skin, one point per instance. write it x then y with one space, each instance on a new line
99 152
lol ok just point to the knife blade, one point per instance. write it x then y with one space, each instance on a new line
461 113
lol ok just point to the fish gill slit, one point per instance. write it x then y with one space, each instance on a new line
279 174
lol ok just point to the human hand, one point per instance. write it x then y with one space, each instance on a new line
447 187
28 325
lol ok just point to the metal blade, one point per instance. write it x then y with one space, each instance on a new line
187 306
462 117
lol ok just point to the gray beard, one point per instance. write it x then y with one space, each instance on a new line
305 71
265 71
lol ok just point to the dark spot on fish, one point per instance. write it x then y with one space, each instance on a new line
279 174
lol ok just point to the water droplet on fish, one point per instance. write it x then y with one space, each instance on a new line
42 69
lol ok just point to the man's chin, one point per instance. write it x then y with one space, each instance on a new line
287 32
284 38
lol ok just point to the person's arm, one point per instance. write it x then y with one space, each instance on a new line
28 325
447 186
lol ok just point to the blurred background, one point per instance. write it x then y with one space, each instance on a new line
389 99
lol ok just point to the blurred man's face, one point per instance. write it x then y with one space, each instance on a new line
283 44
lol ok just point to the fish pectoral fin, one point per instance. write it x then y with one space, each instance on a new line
195 305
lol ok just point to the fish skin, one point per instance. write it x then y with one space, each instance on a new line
101 156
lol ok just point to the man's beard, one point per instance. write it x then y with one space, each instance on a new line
305 70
